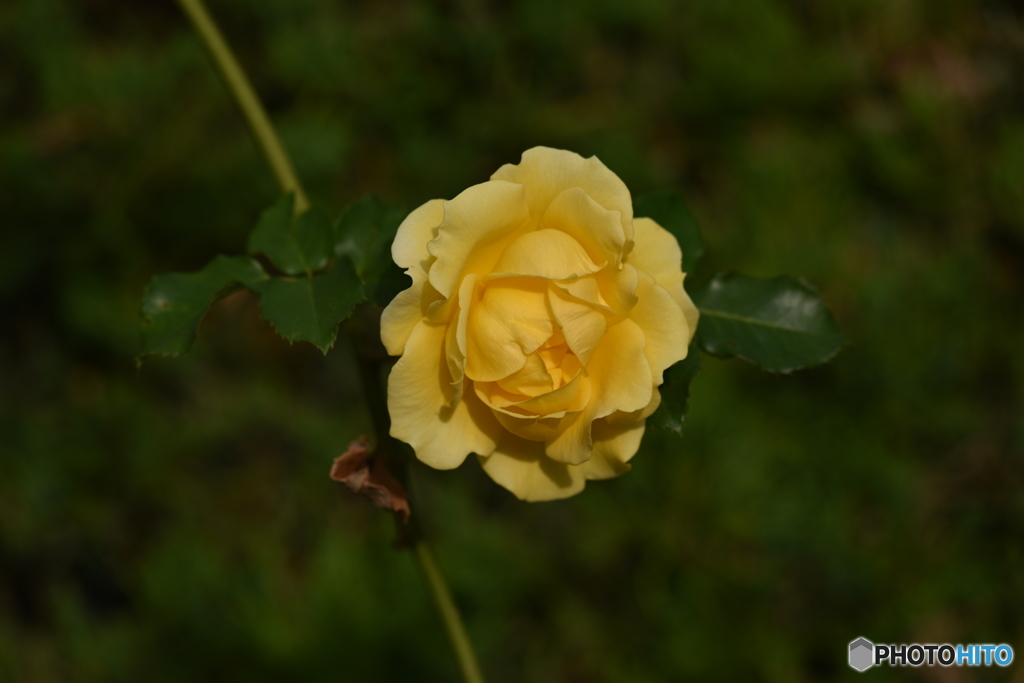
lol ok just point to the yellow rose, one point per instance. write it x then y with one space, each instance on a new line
539 324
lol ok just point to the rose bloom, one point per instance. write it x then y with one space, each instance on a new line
539 324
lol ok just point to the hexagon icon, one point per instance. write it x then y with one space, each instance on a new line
862 653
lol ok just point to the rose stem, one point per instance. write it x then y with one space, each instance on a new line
370 367
266 137
460 642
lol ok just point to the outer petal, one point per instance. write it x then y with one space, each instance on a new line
550 254
521 467
472 230
456 364
593 226
409 250
419 389
614 445
455 338
655 250
405 311
664 325
547 172
657 253
621 381
618 288
689 309
619 417
619 371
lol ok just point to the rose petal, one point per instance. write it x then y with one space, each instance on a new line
655 250
508 320
614 445
532 380
618 288
547 172
582 325
476 228
620 380
456 364
419 390
455 338
598 230
530 426
520 466
550 254
409 250
561 399
619 417
664 325
405 311
657 253
587 290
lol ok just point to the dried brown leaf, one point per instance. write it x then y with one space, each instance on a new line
365 473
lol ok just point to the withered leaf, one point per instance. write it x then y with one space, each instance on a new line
364 472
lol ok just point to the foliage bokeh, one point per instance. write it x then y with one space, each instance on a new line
174 521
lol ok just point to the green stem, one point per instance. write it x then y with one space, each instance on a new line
453 626
255 115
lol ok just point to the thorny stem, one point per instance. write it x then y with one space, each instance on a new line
371 356
255 115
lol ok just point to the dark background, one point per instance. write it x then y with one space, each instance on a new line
175 522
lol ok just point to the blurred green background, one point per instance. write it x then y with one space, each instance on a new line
175 522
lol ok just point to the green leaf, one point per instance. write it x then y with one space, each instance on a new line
174 303
313 234
269 235
309 309
668 209
675 392
295 246
780 323
364 233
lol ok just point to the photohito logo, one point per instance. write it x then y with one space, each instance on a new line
864 654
